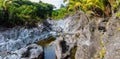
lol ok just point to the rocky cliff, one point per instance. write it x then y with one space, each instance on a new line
79 36
86 37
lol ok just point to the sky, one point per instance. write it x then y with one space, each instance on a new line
57 3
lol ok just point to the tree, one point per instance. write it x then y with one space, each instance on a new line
103 6
23 12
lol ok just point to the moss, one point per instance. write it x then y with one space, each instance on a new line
46 41
118 29
102 53
73 52
118 14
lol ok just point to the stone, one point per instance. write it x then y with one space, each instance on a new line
32 51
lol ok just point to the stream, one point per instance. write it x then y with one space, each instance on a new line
49 52
49 48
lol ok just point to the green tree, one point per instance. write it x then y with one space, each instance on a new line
60 13
23 12
97 6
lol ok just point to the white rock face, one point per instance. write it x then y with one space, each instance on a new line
29 52
16 39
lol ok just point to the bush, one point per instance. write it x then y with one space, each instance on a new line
60 13
24 12
94 6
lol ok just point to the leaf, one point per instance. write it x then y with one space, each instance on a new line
77 4
89 1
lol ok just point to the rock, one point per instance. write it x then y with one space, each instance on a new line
0 57
112 40
15 38
64 45
78 37
30 52
78 25
92 38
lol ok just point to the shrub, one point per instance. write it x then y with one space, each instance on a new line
96 6
60 13
24 12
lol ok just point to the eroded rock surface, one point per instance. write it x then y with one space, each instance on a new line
32 51
77 37
93 37
12 39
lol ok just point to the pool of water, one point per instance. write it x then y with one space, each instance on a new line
49 50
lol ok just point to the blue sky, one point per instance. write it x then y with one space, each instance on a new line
57 3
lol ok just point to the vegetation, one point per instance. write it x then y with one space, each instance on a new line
118 14
98 7
23 12
60 13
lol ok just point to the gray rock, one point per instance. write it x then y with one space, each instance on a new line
0 57
30 52
93 38
12 39
78 37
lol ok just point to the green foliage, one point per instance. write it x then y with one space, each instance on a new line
1 3
1 14
60 13
93 5
115 5
76 5
102 53
85 5
118 14
23 12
